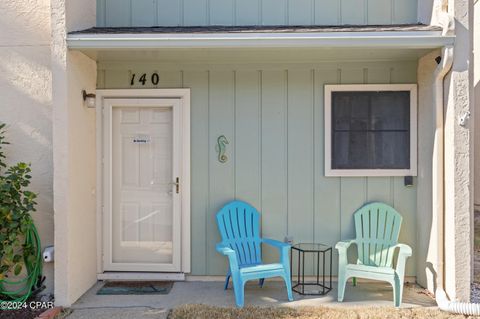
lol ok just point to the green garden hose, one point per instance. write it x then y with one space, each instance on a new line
32 282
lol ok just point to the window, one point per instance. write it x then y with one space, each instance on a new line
371 130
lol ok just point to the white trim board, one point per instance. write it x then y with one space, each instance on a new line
329 171
183 95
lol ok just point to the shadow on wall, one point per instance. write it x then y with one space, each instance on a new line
26 103
434 273
426 234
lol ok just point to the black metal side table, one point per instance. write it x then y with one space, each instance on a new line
324 284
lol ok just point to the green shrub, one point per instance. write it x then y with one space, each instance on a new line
16 203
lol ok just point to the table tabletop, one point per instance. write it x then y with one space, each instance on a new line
313 247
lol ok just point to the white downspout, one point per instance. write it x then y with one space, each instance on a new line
444 66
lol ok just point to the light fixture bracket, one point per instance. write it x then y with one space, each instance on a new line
87 95
89 99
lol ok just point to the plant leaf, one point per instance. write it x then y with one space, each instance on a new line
17 270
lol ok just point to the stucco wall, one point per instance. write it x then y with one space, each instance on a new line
74 155
459 158
476 84
26 103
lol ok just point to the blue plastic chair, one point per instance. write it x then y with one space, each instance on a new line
239 226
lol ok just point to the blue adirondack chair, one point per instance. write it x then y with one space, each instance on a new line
239 226
377 227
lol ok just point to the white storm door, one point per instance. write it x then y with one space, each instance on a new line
142 171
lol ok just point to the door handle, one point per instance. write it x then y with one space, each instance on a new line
177 185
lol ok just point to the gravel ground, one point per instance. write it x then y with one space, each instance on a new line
475 296
24 313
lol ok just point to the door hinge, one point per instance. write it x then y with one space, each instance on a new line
177 185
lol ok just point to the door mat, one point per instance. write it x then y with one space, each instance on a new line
136 288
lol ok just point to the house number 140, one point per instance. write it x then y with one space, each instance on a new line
154 78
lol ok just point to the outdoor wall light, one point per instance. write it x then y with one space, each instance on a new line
89 99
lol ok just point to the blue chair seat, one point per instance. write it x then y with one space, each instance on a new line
260 268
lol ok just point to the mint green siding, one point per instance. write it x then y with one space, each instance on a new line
273 117
113 13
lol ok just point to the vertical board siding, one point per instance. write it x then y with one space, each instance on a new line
327 198
222 179
274 12
144 13
118 13
222 12
405 11
273 119
101 8
169 13
300 11
114 13
247 12
247 141
326 12
198 83
300 154
194 12
300 219
274 156
379 11
353 12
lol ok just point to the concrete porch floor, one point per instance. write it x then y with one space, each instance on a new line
273 293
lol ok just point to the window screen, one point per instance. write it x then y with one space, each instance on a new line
370 130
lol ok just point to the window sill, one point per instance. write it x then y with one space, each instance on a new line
369 172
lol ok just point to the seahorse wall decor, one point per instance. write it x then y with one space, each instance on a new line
221 148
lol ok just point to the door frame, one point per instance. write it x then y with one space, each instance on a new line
183 95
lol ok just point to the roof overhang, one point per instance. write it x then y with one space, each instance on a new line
396 39
259 43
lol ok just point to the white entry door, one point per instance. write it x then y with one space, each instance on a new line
142 172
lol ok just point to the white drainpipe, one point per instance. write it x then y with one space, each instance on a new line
438 198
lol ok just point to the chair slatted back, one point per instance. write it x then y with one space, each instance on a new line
239 226
377 227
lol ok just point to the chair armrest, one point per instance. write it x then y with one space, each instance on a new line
275 243
224 249
342 247
405 250
344 244
230 253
